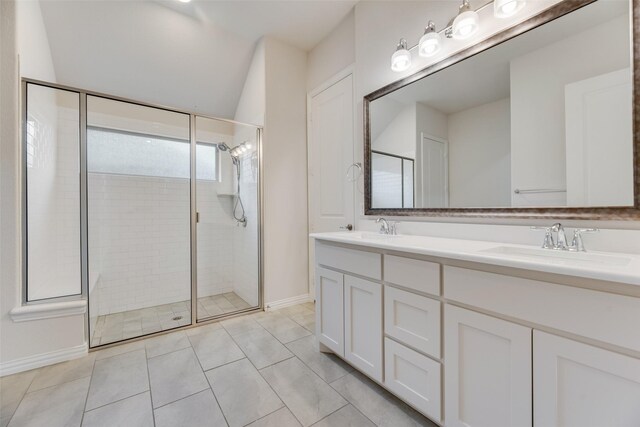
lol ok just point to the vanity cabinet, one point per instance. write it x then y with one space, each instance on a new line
349 316
363 325
487 371
330 309
468 345
579 385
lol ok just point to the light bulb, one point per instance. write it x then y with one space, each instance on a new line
429 43
184 1
401 58
248 145
466 23
506 8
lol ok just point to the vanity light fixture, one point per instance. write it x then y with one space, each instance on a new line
506 8
429 43
466 23
401 58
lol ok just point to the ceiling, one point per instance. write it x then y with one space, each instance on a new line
190 56
300 23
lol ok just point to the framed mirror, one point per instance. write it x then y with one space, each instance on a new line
540 120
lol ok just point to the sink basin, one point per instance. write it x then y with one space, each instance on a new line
374 236
558 257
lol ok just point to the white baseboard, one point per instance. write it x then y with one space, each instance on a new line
276 305
40 360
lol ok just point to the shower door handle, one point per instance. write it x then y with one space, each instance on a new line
197 217
348 227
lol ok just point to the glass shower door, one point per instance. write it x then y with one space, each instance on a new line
139 217
227 176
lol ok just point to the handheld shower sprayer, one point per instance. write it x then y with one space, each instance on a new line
238 207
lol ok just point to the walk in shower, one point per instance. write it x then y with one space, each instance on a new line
166 210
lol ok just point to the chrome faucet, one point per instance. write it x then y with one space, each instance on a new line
387 227
561 239
560 242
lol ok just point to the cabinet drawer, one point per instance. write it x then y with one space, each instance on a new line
413 320
363 263
413 377
602 316
422 276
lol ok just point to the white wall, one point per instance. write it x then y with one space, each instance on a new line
61 335
333 54
33 45
252 103
538 81
399 136
285 173
479 156
276 91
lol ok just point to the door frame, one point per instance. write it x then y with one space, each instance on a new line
418 172
336 78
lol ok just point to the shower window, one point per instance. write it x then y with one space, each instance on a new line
52 185
128 153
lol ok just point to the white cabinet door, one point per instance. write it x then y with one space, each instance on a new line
363 325
577 385
330 309
487 371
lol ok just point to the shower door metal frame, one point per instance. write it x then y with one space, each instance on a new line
84 252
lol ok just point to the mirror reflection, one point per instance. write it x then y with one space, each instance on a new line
544 121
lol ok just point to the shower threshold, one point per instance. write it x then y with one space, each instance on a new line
121 326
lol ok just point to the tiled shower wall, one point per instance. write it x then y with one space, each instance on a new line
139 242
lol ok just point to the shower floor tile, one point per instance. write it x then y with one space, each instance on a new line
119 326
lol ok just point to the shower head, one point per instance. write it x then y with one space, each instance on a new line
223 146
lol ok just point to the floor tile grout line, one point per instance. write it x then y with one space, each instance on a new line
304 364
211 387
24 395
116 401
284 405
146 361
347 403
207 378
86 398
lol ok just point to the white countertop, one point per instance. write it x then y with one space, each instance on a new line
612 267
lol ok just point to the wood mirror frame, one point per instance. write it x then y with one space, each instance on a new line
629 213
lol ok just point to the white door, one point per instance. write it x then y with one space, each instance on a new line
433 173
330 310
487 371
363 325
599 143
330 148
577 385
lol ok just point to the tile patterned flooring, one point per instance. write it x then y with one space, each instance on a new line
115 327
256 370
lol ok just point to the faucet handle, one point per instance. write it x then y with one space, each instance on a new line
548 237
393 227
577 243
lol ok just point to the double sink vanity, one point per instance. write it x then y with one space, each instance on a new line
474 333
522 125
